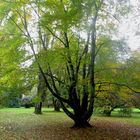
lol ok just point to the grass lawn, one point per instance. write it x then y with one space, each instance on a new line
22 124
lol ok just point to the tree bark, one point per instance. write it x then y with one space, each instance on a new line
108 111
80 119
38 108
41 94
56 105
81 123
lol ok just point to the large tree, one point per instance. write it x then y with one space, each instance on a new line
77 55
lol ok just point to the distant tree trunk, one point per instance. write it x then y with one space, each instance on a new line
56 105
27 105
38 107
41 94
108 110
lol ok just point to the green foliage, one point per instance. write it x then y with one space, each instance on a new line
11 72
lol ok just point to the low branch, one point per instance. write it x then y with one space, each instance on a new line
56 78
53 82
70 114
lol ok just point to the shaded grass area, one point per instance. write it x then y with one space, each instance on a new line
22 124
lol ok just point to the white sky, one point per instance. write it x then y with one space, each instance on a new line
130 27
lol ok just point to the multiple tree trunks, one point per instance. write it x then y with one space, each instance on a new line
82 109
81 120
81 123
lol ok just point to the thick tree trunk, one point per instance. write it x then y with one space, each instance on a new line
81 123
79 116
80 120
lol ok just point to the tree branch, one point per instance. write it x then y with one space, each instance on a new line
55 35
118 84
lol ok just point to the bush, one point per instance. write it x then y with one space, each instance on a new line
125 112
98 111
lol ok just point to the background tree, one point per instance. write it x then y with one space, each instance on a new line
11 72
41 95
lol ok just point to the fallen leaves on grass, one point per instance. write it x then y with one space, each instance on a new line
56 126
101 130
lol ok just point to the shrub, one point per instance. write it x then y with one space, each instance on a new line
125 112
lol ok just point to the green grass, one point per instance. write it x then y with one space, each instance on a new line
23 110
134 110
21 123
16 113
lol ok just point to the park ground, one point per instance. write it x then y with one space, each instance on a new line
23 124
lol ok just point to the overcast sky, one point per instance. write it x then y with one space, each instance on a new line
130 27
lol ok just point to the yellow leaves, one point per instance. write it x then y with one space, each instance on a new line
1 4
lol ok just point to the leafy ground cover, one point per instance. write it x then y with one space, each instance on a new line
22 124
